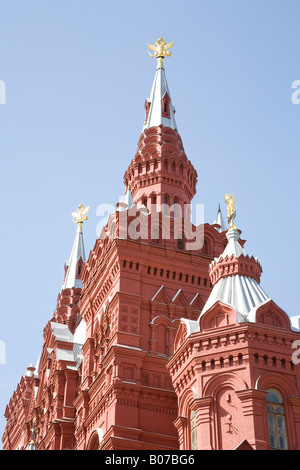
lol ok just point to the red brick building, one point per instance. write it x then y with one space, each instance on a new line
162 338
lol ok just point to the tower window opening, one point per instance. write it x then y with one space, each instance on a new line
166 106
147 108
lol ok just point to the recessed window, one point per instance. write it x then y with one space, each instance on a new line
166 205
180 243
175 208
276 420
193 431
165 106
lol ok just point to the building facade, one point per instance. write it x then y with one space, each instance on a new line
162 338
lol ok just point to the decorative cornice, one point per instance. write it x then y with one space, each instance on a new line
231 265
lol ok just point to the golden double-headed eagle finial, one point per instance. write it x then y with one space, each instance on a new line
231 213
80 216
161 50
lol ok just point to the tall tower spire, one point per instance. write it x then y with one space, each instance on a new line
67 310
159 108
77 258
160 173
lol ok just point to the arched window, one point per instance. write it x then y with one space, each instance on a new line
276 420
175 208
166 205
193 431
165 101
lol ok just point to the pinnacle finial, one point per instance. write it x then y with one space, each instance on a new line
161 50
80 216
231 213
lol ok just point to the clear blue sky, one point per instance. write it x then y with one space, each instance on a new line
77 73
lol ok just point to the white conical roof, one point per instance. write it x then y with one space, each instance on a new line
233 246
243 293
71 280
125 202
220 221
155 115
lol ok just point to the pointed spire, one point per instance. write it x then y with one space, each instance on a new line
125 202
160 172
220 221
159 108
77 257
128 198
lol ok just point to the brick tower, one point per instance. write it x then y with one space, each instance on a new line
233 369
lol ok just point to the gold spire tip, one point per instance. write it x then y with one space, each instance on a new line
161 50
231 213
80 216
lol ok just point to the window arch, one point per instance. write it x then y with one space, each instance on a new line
276 420
193 431
95 440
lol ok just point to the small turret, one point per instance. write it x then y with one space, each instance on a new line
220 221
